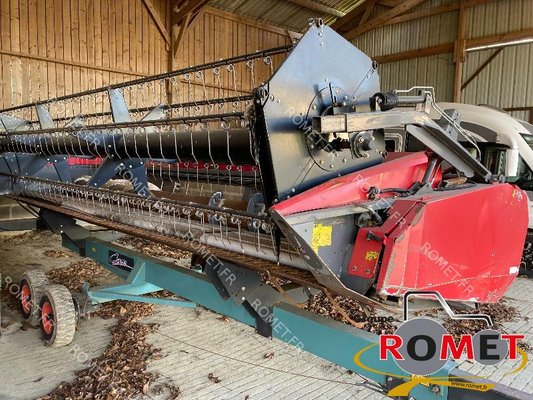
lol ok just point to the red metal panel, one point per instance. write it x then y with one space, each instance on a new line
364 264
466 244
365 256
399 173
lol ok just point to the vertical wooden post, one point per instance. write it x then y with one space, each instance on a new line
460 51
171 5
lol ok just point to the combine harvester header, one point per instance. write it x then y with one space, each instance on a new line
289 180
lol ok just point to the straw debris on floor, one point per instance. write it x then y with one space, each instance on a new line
56 254
370 322
152 249
77 273
499 312
121 371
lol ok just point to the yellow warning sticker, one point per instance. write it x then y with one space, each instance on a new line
321 236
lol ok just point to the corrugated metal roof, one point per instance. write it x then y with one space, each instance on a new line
283 13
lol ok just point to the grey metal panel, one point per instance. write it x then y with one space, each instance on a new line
296 94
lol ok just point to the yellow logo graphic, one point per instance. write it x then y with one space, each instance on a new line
371 256
412 380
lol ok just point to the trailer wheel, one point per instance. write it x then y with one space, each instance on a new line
31 286
57 316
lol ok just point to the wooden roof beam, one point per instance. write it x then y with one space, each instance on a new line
352 15
157 20
498 39
368 12
418 53
183 14
428 12
382 18
314 6
190 6
389 3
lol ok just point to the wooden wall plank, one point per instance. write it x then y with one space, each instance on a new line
130 23
56 47
5 43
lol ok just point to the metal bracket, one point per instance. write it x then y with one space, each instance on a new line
133 290
418 124
54 221
11 124
247 288
110 168
119 108
45 119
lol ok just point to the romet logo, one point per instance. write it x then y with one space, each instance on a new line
422 347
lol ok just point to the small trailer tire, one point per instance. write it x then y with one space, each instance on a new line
31 287
57 316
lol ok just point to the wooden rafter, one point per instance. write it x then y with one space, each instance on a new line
481 67
368 12
180 32
157 20
382 18
314 6
418 53
428 12
389 3
190 6
183 15
250 22
501 38
352 15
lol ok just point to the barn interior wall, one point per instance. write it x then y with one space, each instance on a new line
57 47
502 84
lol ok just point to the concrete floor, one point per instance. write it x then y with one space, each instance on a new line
195 343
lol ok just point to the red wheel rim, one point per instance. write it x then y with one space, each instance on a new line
25 298
47 317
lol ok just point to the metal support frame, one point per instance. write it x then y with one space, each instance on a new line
290 324
331 340
247 288
54 221
133 290
111 168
